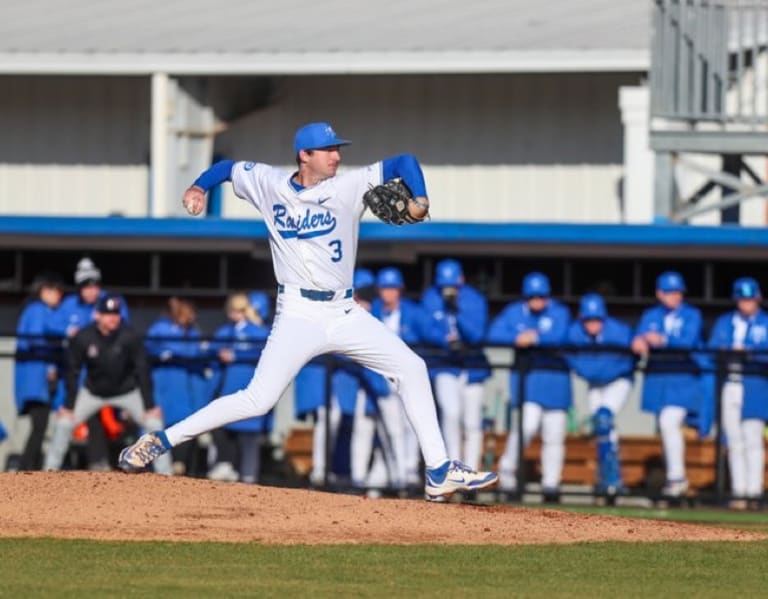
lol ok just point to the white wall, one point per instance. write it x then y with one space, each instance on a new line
74 145
517 147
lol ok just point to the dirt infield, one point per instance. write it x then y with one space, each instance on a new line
150 507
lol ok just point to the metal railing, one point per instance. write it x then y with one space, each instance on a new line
720 364
704 50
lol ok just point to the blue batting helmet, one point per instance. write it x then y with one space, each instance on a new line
746 288
536 284
389 277
363 278
448 273
592 306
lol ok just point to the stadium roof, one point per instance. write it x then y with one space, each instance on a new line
258 37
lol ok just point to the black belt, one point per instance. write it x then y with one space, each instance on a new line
317 295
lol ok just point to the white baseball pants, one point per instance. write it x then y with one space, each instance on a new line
746 445
671 425
553 425
612 396
390 423
461 411
317 476
86 405
304 329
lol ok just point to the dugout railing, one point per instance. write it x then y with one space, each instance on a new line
716 365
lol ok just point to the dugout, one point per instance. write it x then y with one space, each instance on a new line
149 260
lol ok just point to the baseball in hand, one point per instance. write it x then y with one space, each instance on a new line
194 200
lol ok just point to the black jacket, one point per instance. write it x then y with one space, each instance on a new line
115 363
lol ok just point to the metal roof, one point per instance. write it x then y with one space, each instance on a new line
343 36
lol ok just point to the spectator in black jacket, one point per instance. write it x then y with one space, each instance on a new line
117 375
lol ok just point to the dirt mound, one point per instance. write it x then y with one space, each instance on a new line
150 507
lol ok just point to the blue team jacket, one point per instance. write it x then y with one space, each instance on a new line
755 384
247 341
599 369
550 387
347 380
686 387
469 322
34 355
178 361
410 318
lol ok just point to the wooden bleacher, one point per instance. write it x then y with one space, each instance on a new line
642 460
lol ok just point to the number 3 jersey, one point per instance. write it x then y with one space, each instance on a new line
313 233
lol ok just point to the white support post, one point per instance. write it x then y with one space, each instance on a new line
158 195
638 157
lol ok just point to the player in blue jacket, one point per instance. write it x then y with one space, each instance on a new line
238 346
537 320
35 367
744 396
455 320
401 316
672 396
609 378
177 353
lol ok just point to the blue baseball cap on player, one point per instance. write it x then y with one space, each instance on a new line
536 284
389 277
592 307
746 288
260 302
317 135
670 281
448 273
363 278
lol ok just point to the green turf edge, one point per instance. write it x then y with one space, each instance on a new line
64 568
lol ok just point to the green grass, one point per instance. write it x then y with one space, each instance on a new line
45 567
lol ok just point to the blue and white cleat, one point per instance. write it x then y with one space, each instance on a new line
452 476
138 457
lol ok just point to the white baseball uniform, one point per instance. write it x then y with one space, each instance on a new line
313 235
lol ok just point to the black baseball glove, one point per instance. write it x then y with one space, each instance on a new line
389 202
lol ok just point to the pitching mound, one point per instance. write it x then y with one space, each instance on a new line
150 507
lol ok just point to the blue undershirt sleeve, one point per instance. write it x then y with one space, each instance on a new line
408 169
218 173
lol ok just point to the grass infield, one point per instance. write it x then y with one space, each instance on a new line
62 568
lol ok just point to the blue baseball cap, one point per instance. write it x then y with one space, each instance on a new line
363 278
746 288
317 135
448 273
670 281
536 284
260 302
592 306
390 277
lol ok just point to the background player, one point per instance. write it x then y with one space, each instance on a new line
313 217
672 396
455 319
744 396
609 376
401 316
538 320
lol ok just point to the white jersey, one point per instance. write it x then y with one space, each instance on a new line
313 233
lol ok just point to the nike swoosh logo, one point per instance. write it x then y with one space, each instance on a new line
347 311
458 481
323 200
